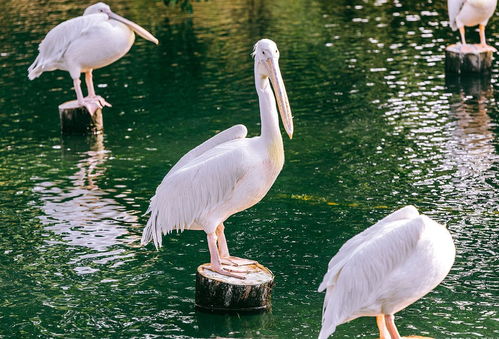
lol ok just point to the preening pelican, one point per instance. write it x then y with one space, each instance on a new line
227 173
384 269
471 13
82 44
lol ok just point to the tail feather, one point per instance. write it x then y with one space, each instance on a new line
35 70
330 315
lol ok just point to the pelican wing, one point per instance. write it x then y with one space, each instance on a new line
58 40
454 7
235 132
407 212
202 180
357 272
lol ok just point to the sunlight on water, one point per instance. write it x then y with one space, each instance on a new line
378 125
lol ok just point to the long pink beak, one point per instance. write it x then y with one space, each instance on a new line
134 27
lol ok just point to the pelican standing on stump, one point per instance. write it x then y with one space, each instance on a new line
471 13
96 39
384 269
227 173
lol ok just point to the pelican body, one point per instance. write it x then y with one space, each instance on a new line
471 13
227 173
384 269
96 39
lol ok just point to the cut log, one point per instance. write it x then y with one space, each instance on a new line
76 119
476 59
220 293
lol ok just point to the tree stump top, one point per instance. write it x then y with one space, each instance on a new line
260 275
476 49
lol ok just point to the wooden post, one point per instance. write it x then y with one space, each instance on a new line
477 60
219 293
76 119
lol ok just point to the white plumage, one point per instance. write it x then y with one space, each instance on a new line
82 44
228 173
384 269
470 13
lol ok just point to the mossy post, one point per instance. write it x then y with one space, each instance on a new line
219 293
76 119
474 59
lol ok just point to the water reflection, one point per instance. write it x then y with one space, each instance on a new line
82 213
471 149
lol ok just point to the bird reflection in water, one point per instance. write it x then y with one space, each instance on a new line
83 214
472 146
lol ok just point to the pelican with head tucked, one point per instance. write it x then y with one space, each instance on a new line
96 39
384 269
227 173
471 13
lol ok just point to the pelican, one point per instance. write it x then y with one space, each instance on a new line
96 39
471 13
227 173
385 268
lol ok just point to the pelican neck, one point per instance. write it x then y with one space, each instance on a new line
268 110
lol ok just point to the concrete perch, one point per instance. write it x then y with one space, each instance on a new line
475 59
220 293
76 119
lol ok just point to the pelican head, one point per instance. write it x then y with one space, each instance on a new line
101 7
266 57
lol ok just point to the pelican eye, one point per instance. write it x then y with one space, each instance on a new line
263 52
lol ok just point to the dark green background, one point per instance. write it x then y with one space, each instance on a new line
377 126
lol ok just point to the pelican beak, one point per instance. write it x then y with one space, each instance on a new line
281 96
134 27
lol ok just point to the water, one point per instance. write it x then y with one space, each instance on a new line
377 126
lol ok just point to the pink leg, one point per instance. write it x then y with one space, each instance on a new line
383 331
215 264
90 84
483 42
79 94
463 39
390 326
224 250
92 97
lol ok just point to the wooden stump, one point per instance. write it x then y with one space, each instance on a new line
478 60
76 119
219 293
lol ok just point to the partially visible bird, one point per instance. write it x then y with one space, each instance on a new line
384 269
227 173
471 13
82 44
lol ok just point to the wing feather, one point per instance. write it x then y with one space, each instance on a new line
58 40
362 264
203 179
235 132
454 7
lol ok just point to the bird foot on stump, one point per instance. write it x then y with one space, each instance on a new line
486 47
236 261
466 49
94 103
227 272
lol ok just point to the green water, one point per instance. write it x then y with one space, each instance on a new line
377 126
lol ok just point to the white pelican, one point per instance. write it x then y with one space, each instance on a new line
471 13
227 173
96 39
385 268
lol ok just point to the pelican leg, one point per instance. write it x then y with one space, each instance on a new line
223 249
463 39
390 326
215 264
383 331
465 48
483 42
91 105
91 91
